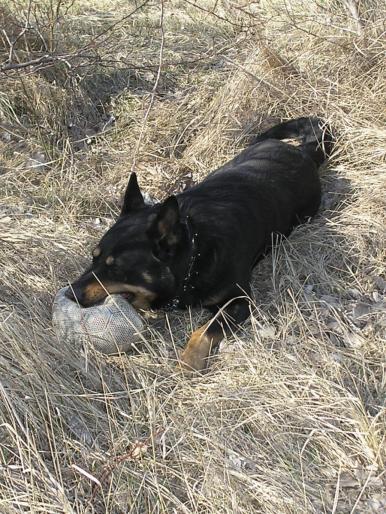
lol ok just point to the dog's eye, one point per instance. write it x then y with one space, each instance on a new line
96 252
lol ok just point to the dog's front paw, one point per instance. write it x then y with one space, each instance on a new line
191 360
195 356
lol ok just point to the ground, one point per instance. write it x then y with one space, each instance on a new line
290 417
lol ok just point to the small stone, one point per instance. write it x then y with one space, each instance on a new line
267 332
139 449
308 289
353 340
334 339
377 504
37 161
380 283
331 301
354 293
80 430
376 296
347 480
5 136
148 76
372 467
380 306
360 310
334 325
337 357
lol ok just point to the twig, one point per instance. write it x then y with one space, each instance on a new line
161 53
352 8
115 24
21 33
309 32
258 79
33 62
137 451
51 58
212 13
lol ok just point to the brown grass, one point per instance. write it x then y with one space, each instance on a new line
290 417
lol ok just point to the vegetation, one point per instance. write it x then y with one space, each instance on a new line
290 418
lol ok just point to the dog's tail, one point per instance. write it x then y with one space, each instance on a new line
313 135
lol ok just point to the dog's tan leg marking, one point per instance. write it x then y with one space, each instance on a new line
197 351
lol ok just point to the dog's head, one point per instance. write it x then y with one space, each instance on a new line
135 256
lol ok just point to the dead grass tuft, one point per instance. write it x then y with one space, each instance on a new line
291 416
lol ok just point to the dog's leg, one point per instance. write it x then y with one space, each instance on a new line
204 340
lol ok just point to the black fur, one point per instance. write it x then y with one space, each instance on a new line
199 247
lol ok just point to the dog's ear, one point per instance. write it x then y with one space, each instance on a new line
133 199
165 228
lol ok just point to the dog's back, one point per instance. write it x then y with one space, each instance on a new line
271 183
313 136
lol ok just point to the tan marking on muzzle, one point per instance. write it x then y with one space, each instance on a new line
96 292
142 297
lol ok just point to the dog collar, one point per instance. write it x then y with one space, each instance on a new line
187 287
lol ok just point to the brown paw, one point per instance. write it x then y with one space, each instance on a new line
195 355
192 360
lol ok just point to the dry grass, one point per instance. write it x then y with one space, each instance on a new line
291 416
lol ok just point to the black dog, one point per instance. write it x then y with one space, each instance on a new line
200 246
